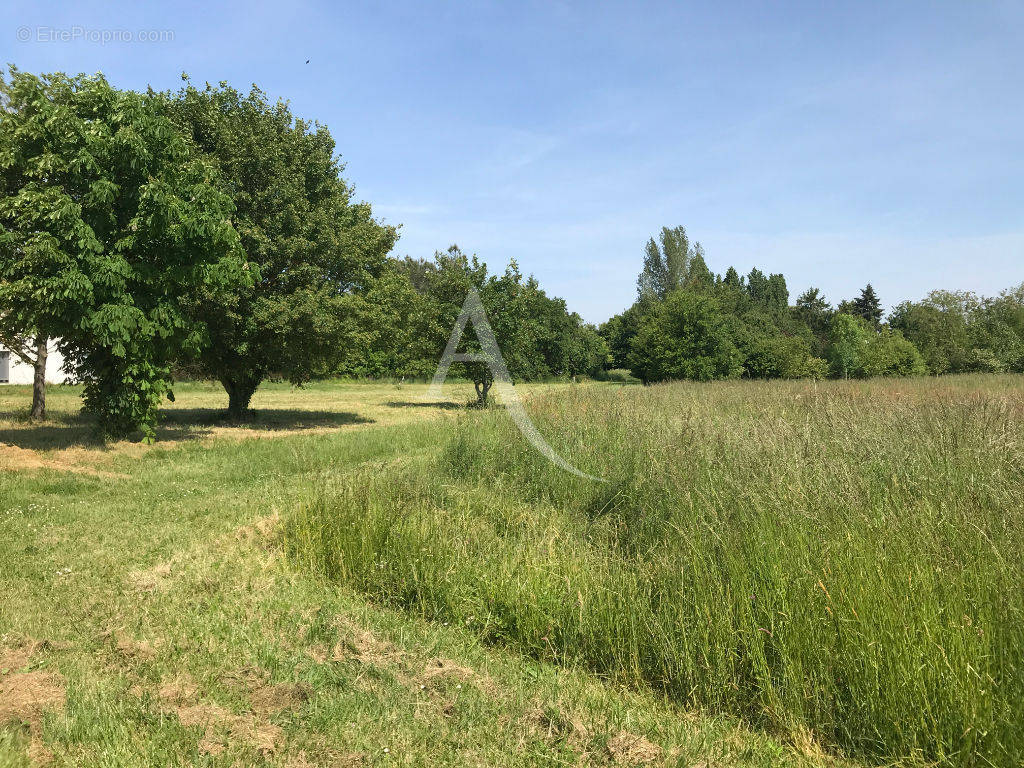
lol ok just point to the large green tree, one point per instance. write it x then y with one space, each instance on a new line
958 331
405 319
858 350
888 353
848 336
685 337
567 346
619 331
110 227
940 327
313 245
1001 328
813 311
394 330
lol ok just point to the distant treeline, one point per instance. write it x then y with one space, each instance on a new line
406 316
688 323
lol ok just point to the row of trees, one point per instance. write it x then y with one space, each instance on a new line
406 317
211 231
961 332
690 323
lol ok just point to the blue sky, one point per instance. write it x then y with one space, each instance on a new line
838 143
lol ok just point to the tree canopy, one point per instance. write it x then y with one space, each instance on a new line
312 245
210 231
960 332
947 332
417 302
111 227
868 307
686 336
670 263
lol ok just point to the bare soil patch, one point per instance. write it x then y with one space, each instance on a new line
271 699
363 645
16 652
220 727
133 650
26 696
440 673
629 749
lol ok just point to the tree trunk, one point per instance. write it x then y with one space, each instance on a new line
482 388
240 392
39 379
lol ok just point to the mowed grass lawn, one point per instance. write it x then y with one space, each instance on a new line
773 574
199 412
149 613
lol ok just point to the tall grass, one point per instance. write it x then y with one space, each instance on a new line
840 558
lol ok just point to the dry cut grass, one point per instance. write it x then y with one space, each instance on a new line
67 440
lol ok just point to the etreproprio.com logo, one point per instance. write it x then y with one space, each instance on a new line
105 36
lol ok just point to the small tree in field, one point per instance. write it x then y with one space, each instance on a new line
848 337
506 301
312 245
109 228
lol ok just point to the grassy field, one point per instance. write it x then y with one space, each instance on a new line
774 574
834 561
150 615
199 413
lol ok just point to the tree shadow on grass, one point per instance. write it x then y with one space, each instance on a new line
446 405
262 419
176 425
53 434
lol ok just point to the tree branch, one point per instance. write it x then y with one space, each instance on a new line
19 346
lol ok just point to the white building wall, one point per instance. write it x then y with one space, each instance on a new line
20 372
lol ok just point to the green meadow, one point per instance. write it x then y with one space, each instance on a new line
772 573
